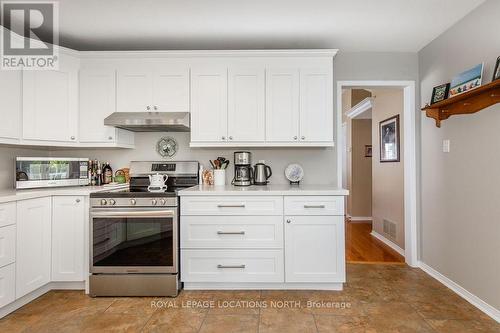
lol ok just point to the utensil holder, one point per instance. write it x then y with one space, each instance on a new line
219 177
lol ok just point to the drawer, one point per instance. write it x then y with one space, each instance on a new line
314 205
7 214
231 232
7 245
232 266
7 284
232 205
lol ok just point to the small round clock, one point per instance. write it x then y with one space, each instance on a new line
167 147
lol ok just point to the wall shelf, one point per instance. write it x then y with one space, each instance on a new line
467 103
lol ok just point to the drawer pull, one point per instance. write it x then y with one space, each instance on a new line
230 232
231 206
314 206
231 266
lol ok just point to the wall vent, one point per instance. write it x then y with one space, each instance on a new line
390 229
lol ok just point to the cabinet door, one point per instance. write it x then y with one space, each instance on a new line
314 249
50 100
7 284
11 97
246 109
282 105
171 89
134 90
97 101
316 105
68 223
33 245
209 104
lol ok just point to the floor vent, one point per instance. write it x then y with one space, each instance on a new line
390 228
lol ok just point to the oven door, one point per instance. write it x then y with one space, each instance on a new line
133 240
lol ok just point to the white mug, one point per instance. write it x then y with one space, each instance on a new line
219 177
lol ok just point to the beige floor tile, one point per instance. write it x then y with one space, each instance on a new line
18 322
464 326
230 324
110 322
334 324
133 305
180 320
286 320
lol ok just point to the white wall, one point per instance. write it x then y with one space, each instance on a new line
388 177
460 233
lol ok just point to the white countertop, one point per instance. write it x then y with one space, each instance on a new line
264 190
15 195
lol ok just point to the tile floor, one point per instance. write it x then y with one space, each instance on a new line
377 298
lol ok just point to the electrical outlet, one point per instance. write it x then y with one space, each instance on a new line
446 146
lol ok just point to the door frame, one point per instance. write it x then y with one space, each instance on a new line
410 166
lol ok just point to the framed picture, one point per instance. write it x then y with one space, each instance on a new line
368 150
496 72
468 80
440 93
389 139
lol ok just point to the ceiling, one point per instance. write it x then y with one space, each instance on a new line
350 25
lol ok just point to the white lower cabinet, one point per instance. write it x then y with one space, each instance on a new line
232 266
7 284
7 245
68 223
33 244
314 250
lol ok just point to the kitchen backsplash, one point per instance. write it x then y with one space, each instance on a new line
319 163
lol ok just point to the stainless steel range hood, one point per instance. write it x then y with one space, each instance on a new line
150 121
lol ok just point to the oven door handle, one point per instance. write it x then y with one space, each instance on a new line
142 213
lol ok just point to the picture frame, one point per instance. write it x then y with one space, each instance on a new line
496 72
368 151
389 139
440 93
466 81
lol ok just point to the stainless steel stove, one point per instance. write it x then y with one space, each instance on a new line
134 233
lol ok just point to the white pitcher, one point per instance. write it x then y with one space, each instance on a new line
157 182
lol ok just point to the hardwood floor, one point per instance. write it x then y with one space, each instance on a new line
376 298
363 247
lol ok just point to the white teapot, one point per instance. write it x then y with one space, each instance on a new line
157 182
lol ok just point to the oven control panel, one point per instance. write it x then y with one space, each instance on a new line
134 202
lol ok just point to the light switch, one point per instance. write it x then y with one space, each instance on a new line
446 146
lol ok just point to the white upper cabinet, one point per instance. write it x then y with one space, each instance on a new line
316 105
50 98
134 90
11 105
209 104
68 227
161 88
246 104
282 105
33 245
170 89
97 101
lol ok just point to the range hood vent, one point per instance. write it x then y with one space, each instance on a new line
149 121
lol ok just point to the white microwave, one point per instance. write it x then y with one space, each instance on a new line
39 172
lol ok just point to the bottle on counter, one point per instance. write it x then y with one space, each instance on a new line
107 173
98 177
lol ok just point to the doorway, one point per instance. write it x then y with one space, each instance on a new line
392 236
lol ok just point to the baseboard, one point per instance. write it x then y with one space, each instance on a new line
389 243
262 286
20 302
462 292
359 218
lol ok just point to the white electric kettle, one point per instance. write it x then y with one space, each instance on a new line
157 183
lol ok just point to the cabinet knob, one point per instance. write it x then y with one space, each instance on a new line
288 221
77 200
155 107
110 138
295 137
148 108
223 138
302 137
73 138
230 138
